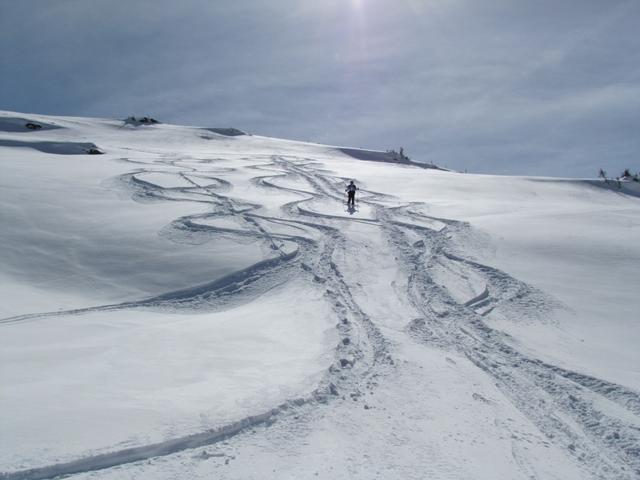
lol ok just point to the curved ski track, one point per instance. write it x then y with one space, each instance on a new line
565 406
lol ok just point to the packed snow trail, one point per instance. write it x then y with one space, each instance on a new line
412 303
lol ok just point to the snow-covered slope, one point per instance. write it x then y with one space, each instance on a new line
199 303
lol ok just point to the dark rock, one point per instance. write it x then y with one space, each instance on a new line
345 363
141 121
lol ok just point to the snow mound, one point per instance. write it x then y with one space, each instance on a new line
380 156
56 148
626 186
20 124
227 132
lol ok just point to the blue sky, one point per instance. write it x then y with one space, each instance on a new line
492 86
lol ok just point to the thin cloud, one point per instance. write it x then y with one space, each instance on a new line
505 87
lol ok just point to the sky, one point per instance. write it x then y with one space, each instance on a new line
516 87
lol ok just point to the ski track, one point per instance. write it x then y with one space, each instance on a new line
546 394
566 406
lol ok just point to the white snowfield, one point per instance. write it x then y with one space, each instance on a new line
197 303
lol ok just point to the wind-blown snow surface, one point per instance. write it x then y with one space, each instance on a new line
195 305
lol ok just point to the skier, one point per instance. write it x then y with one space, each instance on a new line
351 194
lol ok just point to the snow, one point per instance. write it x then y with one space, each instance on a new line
90 245
200 303
248 362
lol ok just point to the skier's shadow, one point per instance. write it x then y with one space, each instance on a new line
351 209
